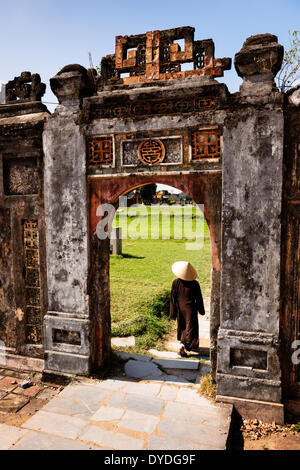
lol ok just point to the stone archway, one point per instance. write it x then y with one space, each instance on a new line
91 148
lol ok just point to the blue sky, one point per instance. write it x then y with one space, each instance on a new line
42 36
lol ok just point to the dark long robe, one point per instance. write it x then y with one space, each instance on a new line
185 303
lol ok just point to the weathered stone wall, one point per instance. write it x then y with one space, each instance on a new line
250 283
23 285
67 242
248 340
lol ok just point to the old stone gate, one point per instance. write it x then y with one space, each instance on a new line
146 119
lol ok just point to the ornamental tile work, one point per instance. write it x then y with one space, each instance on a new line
158 55
100 151
151 151
26 87
205 144
113 109
32 281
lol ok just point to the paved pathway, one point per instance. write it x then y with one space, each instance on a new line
159 412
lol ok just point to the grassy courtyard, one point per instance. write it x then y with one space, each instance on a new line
141 277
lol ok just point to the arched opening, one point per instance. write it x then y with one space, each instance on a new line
202 189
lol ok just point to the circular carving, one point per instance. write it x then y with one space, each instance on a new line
151 152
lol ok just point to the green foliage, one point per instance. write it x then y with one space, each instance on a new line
141 278
152 324
147 193
296 427
290 70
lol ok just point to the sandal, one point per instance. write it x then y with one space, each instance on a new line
182 352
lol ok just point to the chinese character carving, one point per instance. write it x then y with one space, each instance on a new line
151 152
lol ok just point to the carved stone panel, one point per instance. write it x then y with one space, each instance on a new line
164 151
32 281
20 176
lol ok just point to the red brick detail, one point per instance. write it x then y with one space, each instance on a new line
100 151
151 152
205 144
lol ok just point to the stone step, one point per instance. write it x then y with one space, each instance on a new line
177 363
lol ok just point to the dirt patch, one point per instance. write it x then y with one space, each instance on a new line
274 442
18 404
263 436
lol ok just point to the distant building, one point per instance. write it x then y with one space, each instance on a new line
164 197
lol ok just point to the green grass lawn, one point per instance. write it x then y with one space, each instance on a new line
141 278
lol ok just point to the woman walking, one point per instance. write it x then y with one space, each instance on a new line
185 303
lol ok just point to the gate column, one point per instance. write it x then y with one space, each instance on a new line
67 324
248 370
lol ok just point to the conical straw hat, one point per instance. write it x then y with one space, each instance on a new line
184 270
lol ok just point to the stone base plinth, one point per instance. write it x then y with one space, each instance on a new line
253 409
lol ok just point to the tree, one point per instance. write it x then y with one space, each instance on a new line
147 193
290 70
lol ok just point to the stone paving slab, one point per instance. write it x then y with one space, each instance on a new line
111 440
138 422
38 441
166 443
141 388
176 380
164 412
149 405
117 400
108 413
9 435
191 396
194 433
168 392
137 357
140 369
177 364
81 409
189 375
164 354
59 425
85 392
112 384
183 412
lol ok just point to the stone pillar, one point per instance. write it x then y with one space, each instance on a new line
248 371
67 323
116 241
